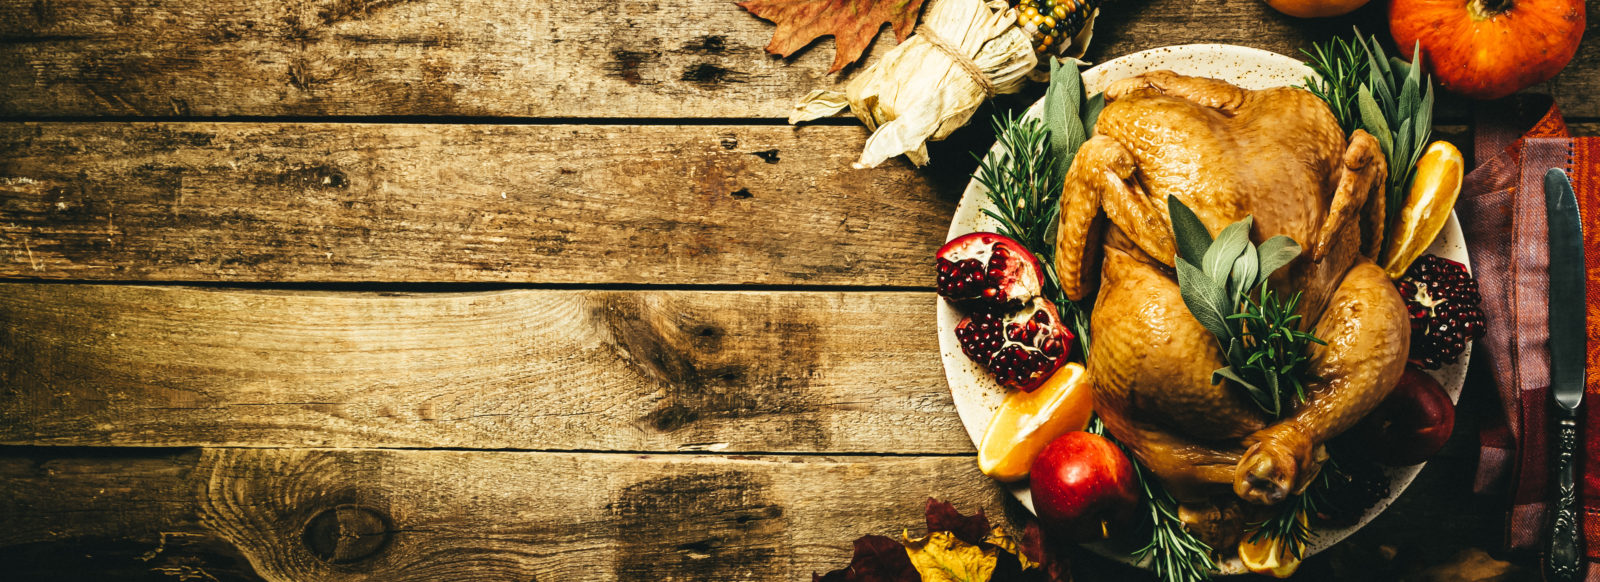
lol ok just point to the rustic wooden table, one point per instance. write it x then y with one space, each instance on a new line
494 290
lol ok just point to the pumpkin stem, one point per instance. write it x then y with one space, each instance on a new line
1490 8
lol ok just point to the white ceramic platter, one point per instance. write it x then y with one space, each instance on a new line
976 394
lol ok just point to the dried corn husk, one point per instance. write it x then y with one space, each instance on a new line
918 92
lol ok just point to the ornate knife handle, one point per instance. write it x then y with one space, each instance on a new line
1565 551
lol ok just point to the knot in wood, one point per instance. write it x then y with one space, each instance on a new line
347 533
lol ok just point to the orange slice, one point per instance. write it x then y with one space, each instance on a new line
1433 193
1027 421
1269 556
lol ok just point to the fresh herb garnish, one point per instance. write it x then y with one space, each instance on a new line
1023 184
1260 337
1391 100
1175 553
1340 67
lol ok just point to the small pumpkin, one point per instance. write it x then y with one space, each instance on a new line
1316 8
1488 49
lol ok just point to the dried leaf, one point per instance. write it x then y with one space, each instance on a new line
877 559
853 23
1035 562
1008 545
942 557
942 516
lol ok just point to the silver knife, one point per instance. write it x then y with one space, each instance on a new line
1567 333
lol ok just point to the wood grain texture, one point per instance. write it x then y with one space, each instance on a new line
454 203
290 202
547 370
252 514
584 58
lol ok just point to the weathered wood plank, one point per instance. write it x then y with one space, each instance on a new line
547 370
259 514
391 202
584 58
542 204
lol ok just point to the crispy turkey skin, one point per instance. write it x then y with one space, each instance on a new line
1278 155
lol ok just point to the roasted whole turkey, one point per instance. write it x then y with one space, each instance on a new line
1226 152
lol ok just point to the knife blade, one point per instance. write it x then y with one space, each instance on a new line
1568 330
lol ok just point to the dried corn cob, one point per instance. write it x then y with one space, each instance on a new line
1053 23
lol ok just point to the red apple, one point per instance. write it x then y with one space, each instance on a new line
1083 486
1411 424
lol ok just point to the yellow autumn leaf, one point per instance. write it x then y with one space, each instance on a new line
1000 539
941 557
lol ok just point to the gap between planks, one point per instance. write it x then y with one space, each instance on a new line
709 450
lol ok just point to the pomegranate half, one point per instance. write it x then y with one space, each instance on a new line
985 271
1021 348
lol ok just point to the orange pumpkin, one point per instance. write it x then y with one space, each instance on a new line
1488 49
1316 8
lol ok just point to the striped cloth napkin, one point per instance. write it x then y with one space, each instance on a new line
1502 210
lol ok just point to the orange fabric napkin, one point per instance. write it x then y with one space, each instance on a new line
1502 210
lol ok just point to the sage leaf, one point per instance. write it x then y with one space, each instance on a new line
1191 235
1232 241
1372 120
1410 94
1244 274
1204 299
1273 390
1062 104
1091 112
1226 372
1378 63
1412 73
1424 125
1276 252
1401 68
1403 145
1236 355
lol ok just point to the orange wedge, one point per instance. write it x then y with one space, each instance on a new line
1027 421
1433 193
1269 555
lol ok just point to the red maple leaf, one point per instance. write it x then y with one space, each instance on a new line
942 516
852 23
877 559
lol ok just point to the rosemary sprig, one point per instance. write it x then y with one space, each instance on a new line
1173 551
1340 68
1291 525
1023 183
1276 347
